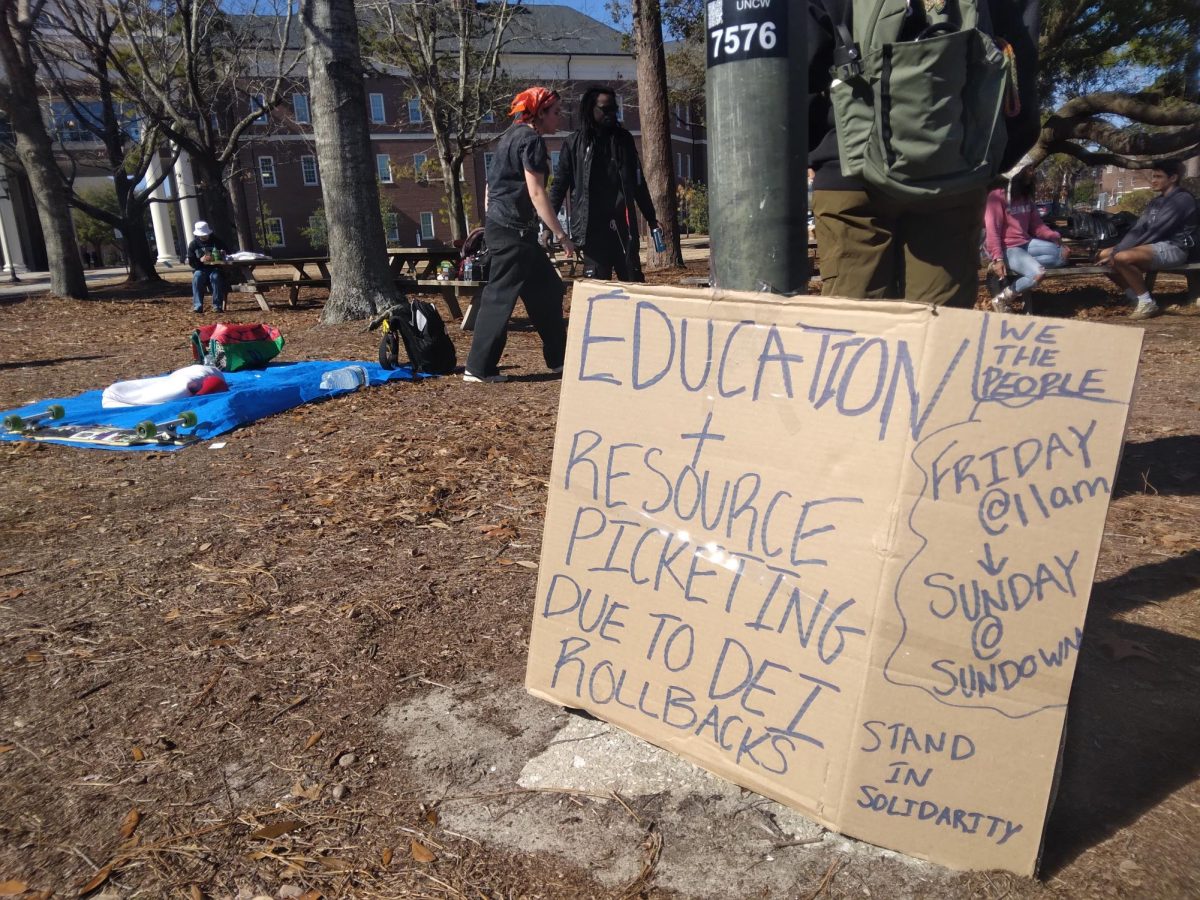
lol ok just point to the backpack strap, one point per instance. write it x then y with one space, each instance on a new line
847 55
1012 96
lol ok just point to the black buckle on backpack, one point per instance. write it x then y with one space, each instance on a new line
847 55
847 62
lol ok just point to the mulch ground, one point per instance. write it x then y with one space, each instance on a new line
195 647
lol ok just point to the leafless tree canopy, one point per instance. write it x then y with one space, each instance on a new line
449 54
191 68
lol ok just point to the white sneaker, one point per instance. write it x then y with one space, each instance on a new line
1146 309
484 379
556 370
1000 304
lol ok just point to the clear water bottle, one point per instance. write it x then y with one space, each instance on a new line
347 378
469 269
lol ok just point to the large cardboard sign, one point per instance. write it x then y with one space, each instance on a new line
838 552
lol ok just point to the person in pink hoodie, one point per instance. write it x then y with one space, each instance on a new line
1017 239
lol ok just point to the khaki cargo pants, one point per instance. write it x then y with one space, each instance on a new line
871 247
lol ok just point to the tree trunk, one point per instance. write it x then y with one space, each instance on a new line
214 198
133 233
454 198
20 100
361 282
248 237
656 129
138 254
1192 76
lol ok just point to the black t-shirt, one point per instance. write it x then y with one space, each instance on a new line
606 199
520 149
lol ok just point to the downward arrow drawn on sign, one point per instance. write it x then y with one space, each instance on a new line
988 563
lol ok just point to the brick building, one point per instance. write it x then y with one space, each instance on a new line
552 45
1113 182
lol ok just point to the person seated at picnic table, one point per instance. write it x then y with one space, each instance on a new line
204 249
1017 239
517 198
1162 238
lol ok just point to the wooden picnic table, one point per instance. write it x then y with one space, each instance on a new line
305 266
419 263
414 268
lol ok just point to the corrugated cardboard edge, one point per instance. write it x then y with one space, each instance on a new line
926 316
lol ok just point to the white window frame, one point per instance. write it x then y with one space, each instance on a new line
267 170
392 233
304 171
414 110
300 101
377 110
427 234
259 102
383 166
488 118
419 160
270 231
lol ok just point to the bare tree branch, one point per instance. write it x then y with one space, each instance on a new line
1101 158
1146 108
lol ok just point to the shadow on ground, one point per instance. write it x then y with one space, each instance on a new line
1133 730
1167 465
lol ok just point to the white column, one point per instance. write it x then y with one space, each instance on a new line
160 214
189 208
10 236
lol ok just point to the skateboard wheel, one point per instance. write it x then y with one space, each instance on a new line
13 422
188 418
55 411
147 429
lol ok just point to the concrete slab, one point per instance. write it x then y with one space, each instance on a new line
525 776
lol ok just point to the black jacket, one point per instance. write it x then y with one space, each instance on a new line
573 176
199 247
1016 21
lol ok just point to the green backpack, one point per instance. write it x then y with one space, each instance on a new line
918 97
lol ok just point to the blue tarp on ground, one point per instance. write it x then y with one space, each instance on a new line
252 395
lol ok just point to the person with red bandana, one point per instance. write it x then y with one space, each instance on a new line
517 198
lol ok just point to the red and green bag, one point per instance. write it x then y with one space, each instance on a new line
232 346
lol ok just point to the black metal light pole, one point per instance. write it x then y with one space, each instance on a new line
757 96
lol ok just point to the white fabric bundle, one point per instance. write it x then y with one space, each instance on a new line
178 385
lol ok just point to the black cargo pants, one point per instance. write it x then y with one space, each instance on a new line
519 268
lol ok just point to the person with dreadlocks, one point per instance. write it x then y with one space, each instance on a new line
599 169
517 198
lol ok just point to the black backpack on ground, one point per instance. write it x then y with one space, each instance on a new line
418 324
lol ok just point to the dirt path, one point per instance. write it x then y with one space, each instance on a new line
258 648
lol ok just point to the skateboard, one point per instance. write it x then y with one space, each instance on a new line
165 434
36 421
